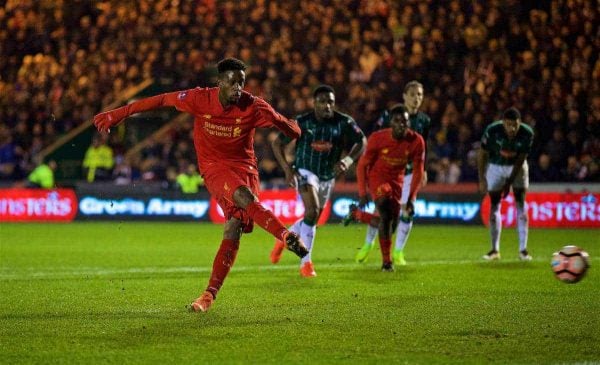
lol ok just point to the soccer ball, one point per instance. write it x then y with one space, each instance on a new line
570 264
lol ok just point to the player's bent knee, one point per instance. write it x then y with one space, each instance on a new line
242 196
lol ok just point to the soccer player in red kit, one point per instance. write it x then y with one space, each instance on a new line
381 170
225 120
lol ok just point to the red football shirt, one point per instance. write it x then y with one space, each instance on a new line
222 136
385 159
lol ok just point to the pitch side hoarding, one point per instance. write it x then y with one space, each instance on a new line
37 205
545 209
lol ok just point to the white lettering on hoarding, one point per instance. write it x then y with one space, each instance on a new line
195 208
156 206
451 210
432 209
52 205
552 210
563 211
92 206
284 207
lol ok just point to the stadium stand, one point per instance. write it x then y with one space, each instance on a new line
475 59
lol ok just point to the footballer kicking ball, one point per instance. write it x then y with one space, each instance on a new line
570 264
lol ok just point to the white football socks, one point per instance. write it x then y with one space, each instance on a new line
402 233
371 234
307 234
296 226
522 227
495 226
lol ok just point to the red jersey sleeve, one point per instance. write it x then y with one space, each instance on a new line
418 159
268 117
366 161
182 100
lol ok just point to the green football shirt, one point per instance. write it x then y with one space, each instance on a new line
321 144
501 149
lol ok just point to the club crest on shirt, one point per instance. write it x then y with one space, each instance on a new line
507 153
385 151
321 146
182 95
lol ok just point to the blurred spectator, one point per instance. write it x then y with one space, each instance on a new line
42 176
189 181
98 161
8 155
446 171
123 172
545 171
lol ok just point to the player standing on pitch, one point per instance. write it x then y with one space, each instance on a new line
325 133
381 170
502 163
420 123
225 120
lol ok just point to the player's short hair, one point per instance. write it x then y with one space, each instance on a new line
230 64
323 89
413 83
398 109
511 113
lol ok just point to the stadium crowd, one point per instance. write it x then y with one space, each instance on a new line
61 61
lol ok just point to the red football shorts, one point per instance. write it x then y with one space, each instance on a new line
391 190
222 182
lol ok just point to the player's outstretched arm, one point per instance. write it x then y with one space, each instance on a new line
289 127
105 120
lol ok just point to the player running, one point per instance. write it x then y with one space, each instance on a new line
502 163
420 123
381 169
325 133
225 120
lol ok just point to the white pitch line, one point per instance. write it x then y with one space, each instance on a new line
33 273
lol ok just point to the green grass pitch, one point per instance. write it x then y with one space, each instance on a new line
117 293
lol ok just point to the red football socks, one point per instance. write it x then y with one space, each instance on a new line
386 246
266 219
222 264
363 217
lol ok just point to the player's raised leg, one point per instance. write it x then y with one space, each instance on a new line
372 222
245 199
277 250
